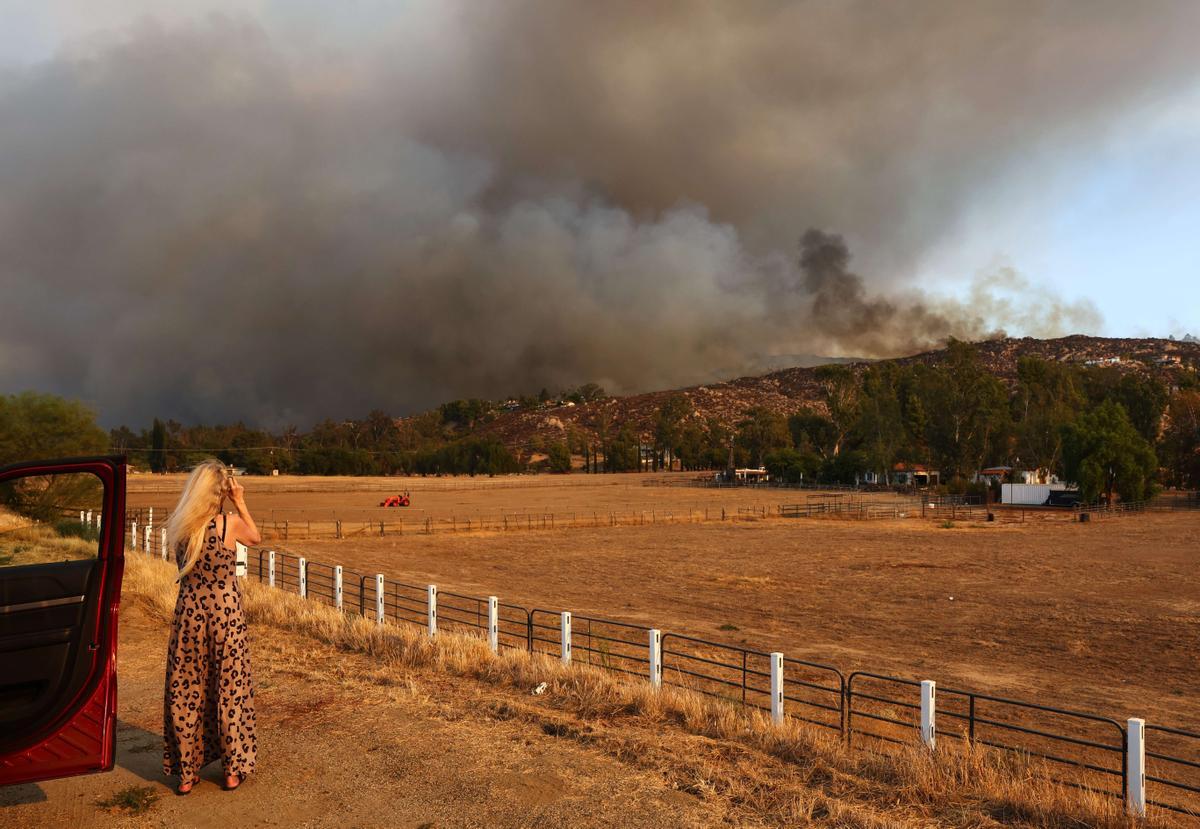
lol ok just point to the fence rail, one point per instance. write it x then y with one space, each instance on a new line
1086 750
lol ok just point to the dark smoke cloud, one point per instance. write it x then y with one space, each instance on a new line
208 221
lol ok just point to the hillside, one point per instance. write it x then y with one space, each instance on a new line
789 390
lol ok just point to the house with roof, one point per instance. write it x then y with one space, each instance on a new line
915 474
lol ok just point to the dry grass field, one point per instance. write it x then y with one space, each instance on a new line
1101 617
301 499
375 726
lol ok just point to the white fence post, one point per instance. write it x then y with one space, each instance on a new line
1135 767
150 519
494 624
303 578
89 517
337 586
565 645
655 657
379 605
162 541
777 688
929 713
133 535
431 600
270 568
82 514
241 562
147 539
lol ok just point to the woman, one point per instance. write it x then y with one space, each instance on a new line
208 710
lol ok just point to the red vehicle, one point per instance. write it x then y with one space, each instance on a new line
58 619
396 501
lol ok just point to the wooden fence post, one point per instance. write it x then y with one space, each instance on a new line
379 604
271 568
431 600
303 567
337 587
162 542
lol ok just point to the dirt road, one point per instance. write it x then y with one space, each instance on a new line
347 744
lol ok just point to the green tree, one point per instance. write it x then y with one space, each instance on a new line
559 457
43 427
668 426
793 466
158 447
1181 439
1049 396
967 414
840 391
763 431
879 429
1104 454
813 432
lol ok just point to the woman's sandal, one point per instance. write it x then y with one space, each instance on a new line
184 788
225 783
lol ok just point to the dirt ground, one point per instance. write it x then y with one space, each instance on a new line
347 743
1101 617
325 499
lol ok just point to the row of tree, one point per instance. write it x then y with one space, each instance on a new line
1108 431
1113 432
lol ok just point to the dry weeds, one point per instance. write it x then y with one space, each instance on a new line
763 773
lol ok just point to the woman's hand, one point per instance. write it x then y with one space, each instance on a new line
237 493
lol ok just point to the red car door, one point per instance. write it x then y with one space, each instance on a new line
62 527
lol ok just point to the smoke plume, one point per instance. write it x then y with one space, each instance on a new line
230 217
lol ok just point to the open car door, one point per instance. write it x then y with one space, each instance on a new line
62 527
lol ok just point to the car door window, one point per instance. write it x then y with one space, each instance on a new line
61 560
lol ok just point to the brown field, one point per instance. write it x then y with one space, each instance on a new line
318 499
1102 617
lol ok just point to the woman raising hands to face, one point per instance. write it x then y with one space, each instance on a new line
208 703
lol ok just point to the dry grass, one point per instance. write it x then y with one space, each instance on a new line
40 544
787 774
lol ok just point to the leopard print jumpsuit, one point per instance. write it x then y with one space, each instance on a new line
208 706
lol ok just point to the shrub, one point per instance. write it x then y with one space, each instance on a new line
69 528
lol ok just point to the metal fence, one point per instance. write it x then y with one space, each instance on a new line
1084 749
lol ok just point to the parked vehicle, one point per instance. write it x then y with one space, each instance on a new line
60 588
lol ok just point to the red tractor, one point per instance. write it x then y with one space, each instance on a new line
396 501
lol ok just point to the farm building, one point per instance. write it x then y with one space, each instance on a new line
994 474
915 474
1039 495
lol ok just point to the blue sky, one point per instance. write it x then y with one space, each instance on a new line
1119 223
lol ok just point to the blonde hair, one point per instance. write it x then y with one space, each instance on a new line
200 502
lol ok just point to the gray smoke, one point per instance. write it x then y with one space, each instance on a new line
215 220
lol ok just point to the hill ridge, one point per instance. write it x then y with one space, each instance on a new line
789 390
